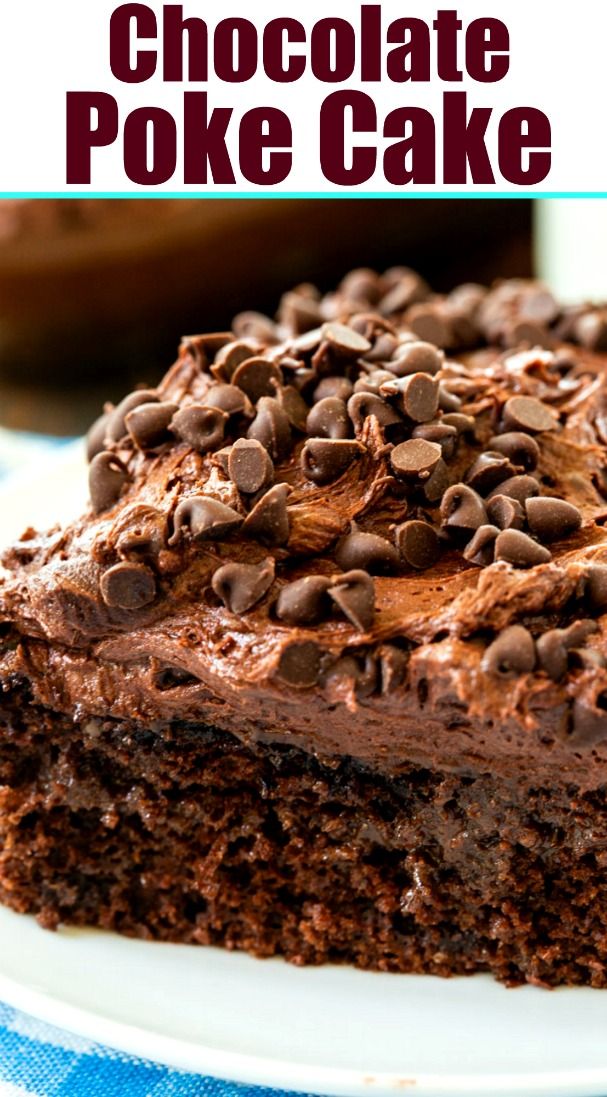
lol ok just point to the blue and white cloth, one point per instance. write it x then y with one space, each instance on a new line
38 1060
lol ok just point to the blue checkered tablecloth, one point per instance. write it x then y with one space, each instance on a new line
38 1060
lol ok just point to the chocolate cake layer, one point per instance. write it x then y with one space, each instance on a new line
361 547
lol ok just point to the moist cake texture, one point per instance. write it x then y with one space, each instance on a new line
321 672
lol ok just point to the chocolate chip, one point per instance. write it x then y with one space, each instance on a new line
464 424
505 513
201 518
551 654
148 424
229 357
294 407
228 398
577 633
107 478
432 323
596 585
254 325
589 723
271 427
403 293
435 487
586 659
442 433
128 586
345 341
305 602
95 439
521 449
417 543
519 488
269 520
417 395
257 377
324 460
527 413
519 549
329 419
354 594
299 311
372 382
417 357
448 401
462 509
339 387
116 425
200 427
415 459
512 652
591 330
363 404
143 531
383 348
250 467
551 519
489 470
481 549
242 586
299 665
367 552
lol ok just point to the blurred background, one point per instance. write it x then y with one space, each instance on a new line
95 295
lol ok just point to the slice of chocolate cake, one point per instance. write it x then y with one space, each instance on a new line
321 672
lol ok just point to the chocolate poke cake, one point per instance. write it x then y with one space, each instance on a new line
321 672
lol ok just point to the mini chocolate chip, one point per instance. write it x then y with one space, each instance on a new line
367 552
324 460
148 424
521 449
441 433
432 323
505 513
345 341
462 509
107 477
339 387
329 419
489 470
354 594
417 543
464 424
415 459
596 585
269 519
201 518
271 427
550 519
448 401
417 395
527 413
250 467
520 488
228 398
242 586
480 550
519 549
128 586
200 427
257 377
417 357
435 487
363 404
294 407
305 602
229 357
95 438
551 654
512 652
299 665
116 425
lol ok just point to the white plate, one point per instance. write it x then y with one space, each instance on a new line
321 1030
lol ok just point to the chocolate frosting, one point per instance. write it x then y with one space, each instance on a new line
413 686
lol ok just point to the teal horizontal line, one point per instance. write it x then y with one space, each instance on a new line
264 195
